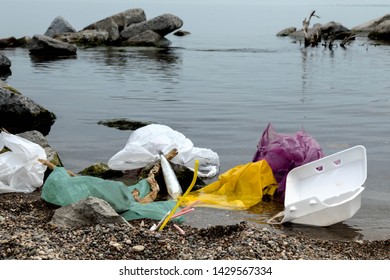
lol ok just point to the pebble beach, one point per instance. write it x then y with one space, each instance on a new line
26 234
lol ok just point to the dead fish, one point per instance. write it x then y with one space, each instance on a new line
173 186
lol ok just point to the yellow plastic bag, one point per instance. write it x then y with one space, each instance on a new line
239 188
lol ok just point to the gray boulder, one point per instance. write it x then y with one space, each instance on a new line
381 31
85 38
286 31
43 45
89 211
18 113
334 30
162 25
58 26
118 22
369 26
147 38
5 63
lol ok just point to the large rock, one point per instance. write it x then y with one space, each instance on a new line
12 42
334 30
86 38
58 26
118 22
19 113
86 212
370 26
147 38
162 25
381 31
43 45
5 63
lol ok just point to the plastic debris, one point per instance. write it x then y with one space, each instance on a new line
238 188
285 152
20 170
144 144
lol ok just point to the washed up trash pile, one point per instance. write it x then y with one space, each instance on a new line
287 168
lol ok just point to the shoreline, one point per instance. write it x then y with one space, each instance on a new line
27 235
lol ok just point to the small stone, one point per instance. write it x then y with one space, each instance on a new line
138 248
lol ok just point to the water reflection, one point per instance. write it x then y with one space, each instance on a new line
121 56
45 61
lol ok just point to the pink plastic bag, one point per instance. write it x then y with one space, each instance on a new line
284 152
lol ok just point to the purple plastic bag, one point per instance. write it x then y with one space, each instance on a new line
284 152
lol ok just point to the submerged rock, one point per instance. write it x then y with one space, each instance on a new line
181 33
101 170
124 124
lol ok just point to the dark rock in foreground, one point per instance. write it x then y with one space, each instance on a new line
42 45
18 113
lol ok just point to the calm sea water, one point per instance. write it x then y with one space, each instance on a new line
220 87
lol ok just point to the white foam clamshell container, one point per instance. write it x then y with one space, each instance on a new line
326 191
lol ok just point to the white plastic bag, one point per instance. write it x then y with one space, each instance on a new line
144 143
20 170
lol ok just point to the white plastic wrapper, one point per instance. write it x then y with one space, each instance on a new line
144 143
20 170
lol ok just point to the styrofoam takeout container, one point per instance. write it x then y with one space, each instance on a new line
326 191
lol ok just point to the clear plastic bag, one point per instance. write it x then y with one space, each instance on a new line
20 170
144 144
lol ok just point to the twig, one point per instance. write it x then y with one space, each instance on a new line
52 166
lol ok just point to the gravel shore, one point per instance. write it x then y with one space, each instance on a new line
25 234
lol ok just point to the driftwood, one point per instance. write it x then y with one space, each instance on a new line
314 37
52 166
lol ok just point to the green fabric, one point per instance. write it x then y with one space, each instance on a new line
62 189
